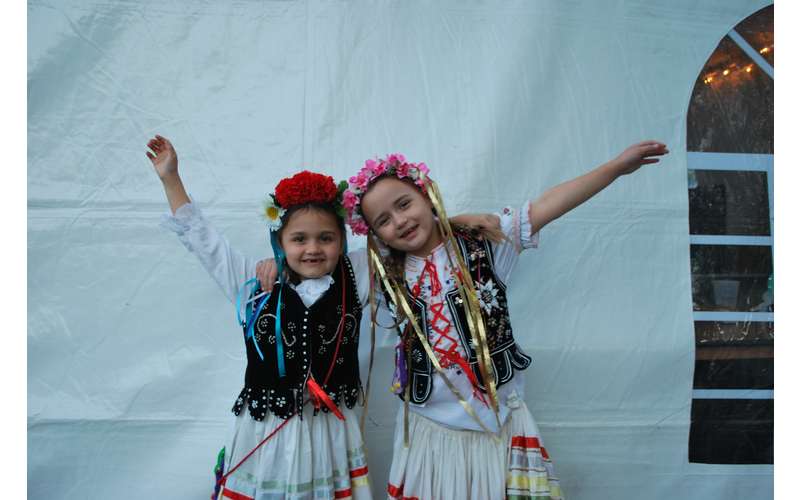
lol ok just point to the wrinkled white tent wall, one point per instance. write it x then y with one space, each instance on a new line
134 358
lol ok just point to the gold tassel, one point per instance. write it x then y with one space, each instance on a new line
405 401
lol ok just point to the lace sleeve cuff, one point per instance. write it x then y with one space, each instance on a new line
523 236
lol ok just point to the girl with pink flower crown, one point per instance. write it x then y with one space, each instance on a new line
465 431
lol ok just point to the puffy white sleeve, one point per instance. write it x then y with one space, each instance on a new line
358 258
516 225
227 267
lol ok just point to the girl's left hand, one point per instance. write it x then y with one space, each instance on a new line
478 221
640 154
267 273
487 224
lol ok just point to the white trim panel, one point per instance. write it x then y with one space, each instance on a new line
733 394
713 239
729 161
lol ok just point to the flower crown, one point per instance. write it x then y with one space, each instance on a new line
395 165
301 188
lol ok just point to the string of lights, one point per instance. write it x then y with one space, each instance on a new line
733 70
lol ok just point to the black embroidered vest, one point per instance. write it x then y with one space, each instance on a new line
309 341
503 350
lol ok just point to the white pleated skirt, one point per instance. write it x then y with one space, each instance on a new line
316 457
442 463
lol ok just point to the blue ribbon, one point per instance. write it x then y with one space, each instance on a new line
251 325
239 302
280 258
251 314
250 317
279 338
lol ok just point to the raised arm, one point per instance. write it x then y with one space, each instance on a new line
562 198
165 163
229 268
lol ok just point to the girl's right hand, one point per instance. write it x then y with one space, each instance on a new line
163 157
642 153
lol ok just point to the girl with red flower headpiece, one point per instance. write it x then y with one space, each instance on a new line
296 433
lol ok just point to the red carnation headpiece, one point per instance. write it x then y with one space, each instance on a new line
305 187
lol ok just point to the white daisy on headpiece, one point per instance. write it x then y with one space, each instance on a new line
273 213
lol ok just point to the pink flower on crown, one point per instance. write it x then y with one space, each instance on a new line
379 169
402 170
349 200
396 158
361 181
419 172
358 226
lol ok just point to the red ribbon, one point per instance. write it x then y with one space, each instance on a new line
320 397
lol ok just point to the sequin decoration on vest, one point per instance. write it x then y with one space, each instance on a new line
309 343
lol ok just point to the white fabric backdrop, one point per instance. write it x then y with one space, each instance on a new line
133 355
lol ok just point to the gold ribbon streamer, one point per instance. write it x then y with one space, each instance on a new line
408 394
469 297
399 299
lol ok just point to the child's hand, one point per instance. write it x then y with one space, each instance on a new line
267 273
639 154
477 221
165 160
487 224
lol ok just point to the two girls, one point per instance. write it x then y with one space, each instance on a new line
296 435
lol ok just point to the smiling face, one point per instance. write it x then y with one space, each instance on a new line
312 240
401 215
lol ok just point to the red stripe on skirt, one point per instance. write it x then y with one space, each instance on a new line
529 442
359 472
525 442
235 496
397 492
349 491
